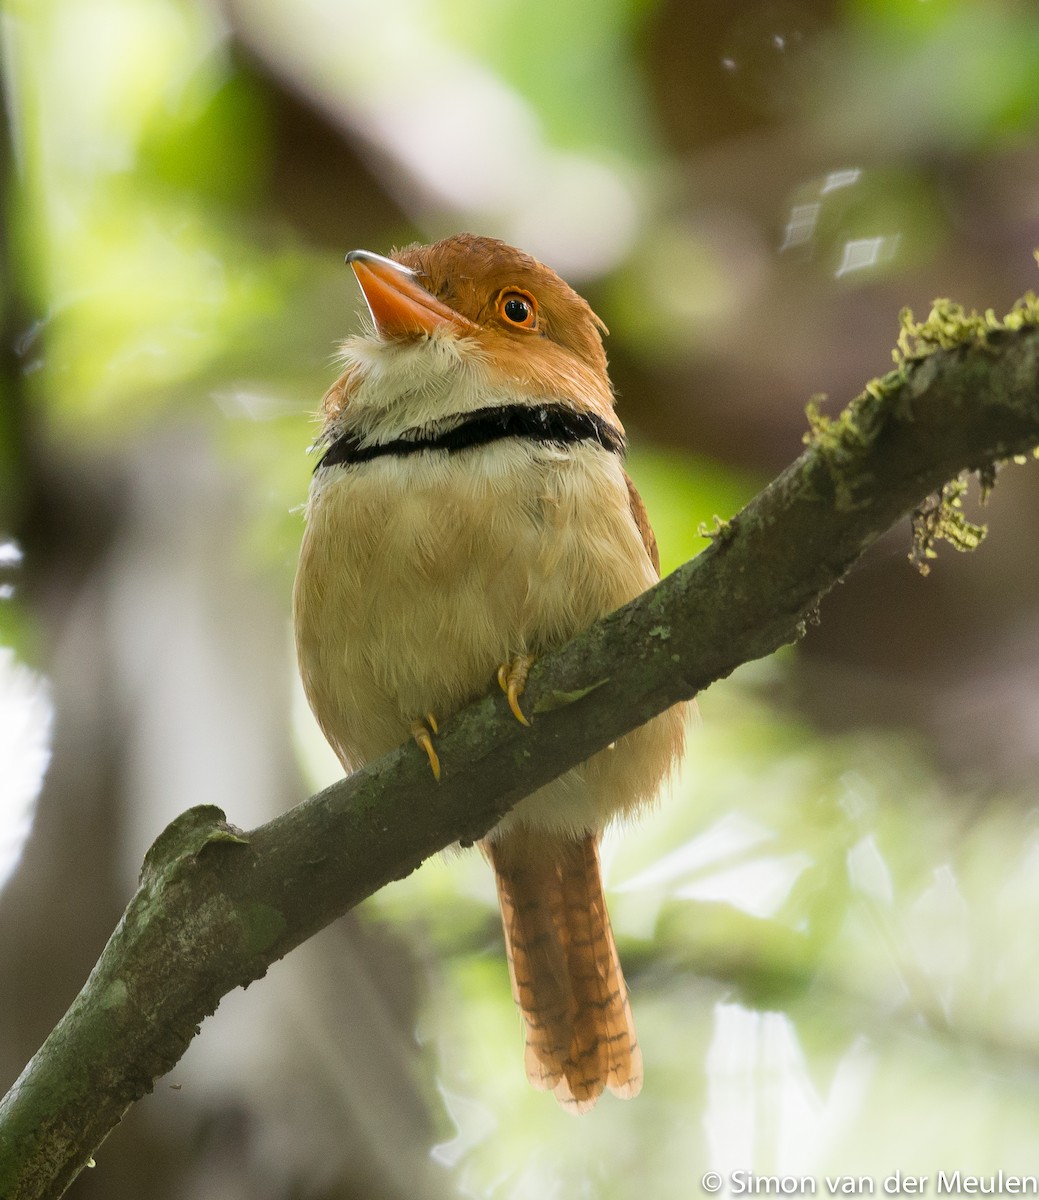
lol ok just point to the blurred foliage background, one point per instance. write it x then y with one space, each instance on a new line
829 927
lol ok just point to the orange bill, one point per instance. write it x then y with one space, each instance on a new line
399 305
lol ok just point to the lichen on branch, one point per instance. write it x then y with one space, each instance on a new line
941 518
948 327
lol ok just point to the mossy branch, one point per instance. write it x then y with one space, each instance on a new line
217 906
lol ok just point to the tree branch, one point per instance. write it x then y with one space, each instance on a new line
216 906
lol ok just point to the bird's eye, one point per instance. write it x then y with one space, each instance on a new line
518 308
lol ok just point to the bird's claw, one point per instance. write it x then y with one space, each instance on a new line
512 679
420 732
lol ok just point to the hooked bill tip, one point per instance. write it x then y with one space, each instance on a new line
369 257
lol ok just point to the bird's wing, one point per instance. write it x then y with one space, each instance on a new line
638 512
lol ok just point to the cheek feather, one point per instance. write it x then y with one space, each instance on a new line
538 367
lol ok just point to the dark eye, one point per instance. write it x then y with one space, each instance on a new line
518 308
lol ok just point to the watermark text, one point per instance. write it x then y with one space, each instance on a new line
897 1183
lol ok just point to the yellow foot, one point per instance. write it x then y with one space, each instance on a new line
420 732
512 679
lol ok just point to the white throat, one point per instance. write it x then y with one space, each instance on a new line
403 386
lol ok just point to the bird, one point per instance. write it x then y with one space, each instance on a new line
469 513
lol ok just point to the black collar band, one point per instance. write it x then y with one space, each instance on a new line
549 424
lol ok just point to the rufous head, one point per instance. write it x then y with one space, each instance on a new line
497 310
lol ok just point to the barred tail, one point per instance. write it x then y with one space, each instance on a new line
566 977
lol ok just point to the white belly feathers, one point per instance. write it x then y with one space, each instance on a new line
420 575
